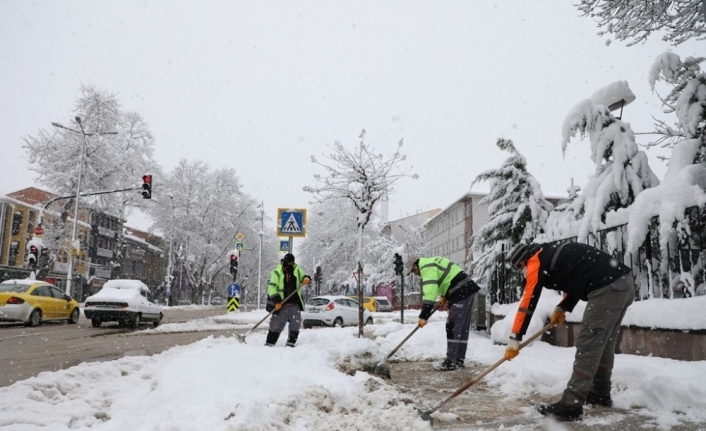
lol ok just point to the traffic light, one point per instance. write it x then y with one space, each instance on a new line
233 264
33 256
399 267
147 186
317 274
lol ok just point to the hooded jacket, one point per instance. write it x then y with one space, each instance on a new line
277 286
573 268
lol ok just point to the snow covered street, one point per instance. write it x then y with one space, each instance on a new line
221 384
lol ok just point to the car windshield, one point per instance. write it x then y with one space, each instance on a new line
17 288
317 301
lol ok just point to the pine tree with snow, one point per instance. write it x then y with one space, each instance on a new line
686 98
621 171
517 212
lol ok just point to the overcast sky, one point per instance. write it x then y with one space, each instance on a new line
262 86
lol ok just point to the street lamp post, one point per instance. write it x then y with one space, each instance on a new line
169 264
69 272
259 270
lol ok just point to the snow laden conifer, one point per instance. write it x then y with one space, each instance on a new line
622 171
684 184
361 176
686 98
517 212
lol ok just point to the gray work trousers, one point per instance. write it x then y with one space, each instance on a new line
595 345
289 313
458 328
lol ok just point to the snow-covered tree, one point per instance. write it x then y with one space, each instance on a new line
111 161
517 212
331 242
635 20
118 149
362 177
686 98
209 209
622 171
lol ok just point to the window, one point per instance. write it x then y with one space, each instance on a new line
56 293
16 222
42 291
14 252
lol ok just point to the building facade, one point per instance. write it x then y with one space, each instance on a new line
21 214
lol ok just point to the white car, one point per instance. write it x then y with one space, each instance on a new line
128 302
382 304
333 311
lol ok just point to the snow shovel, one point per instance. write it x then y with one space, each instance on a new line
242 337
381 368
426 414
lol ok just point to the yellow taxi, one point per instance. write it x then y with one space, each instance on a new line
33 302
368 302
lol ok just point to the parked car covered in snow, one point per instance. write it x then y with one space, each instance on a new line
128 302
333 311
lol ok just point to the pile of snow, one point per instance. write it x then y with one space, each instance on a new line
222 384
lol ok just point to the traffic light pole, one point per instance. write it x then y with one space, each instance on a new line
402 298
40 216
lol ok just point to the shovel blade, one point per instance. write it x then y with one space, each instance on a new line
379 369
239 337
426 415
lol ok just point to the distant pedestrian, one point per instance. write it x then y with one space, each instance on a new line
583 273
285 279
441 277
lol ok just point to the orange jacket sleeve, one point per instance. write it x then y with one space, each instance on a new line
529 300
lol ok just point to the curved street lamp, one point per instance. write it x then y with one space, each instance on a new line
83 133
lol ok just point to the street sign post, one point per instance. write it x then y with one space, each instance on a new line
291 223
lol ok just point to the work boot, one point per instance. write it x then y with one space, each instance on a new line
599 400
459 363
561 411
272 338
292 339
447 365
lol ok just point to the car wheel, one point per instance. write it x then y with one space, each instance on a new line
73 318
35 318
338 322
158 321
369 321
135 322
96 322
307 326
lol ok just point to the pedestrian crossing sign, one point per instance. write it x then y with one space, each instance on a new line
291 222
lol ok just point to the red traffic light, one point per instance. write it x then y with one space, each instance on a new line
233 258
32 249
147 186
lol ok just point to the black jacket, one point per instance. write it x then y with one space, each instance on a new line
573 268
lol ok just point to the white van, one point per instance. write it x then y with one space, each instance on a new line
382 303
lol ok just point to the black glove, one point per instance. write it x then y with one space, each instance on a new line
270 305
426 311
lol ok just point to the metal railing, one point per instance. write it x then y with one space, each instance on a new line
675 271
